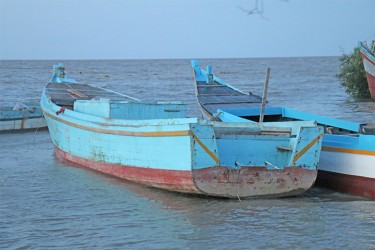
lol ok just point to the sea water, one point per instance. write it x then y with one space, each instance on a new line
48 204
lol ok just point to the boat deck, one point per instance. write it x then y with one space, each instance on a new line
217 96
65 94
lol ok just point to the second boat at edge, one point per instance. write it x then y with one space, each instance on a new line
347 162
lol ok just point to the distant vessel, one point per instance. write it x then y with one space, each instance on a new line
368 59
347 161
156 145
21 116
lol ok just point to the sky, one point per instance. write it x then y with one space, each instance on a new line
182 29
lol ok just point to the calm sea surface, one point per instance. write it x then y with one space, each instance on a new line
47 204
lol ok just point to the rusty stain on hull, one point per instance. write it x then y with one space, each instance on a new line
253 181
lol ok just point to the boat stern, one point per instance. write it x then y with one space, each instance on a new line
252 161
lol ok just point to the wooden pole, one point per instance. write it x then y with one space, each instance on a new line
264 99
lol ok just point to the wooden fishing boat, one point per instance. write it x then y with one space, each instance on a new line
347 161
368 59
155 144
21 116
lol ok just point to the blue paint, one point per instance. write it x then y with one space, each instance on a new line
351 136
131 110
158 136
209 75
59 75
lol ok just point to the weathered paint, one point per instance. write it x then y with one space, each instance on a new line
174 153
172 180
254 181
170 164
345 158
368 60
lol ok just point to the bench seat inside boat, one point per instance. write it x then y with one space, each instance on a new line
131 110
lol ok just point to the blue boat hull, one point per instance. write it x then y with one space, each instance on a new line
184 155
156 145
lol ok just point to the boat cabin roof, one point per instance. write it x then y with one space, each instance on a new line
65 94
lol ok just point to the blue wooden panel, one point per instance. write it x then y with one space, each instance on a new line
355 142
139 111
299 115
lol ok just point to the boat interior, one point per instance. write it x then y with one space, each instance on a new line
104 103
215 95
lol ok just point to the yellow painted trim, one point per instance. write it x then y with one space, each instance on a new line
307 147
213 156
124 133
350 151
146 134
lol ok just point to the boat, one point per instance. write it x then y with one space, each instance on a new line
347 160
21 116
368 59
157 145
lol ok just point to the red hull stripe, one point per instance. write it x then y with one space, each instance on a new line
369 75
351 151
350 184
371 83
181 181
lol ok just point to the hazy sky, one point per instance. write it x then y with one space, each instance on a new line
151 29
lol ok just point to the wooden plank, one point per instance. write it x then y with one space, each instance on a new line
77 93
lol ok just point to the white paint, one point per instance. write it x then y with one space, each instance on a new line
369 66
347 163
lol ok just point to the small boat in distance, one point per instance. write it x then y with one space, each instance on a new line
22 116
347 161
155 144
368 59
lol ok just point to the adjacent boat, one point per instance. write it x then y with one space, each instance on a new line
21 116
347 162
368 59
153 143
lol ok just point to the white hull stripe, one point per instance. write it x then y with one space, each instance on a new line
369 67
346 163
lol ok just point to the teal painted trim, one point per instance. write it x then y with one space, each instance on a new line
255 111
228 117
347 125
359 142
201 75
